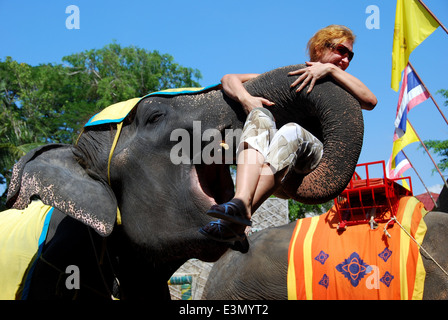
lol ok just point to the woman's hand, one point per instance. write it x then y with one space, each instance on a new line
310 74
250 102
317 70
232 85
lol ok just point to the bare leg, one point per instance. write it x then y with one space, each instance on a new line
255 180
267 184
250 164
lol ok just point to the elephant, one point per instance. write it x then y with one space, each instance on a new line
261 274
162 204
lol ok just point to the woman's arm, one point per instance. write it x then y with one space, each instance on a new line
317 70
232 85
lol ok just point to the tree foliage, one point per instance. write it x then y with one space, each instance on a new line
440 147
299 210
49 103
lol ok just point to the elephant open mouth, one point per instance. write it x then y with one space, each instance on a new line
212 183
210 177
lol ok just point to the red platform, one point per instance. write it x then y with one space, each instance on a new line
370 200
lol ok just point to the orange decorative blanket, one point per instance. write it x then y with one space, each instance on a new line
360 262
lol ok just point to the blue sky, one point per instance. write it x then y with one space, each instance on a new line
242 36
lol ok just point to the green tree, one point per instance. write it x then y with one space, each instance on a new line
49 103
114 74
297 210
21 128
440 147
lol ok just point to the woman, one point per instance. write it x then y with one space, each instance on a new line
261 164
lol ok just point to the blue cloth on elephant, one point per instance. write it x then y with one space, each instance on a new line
23 234
118 111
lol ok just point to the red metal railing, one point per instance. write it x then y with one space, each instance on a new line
370 199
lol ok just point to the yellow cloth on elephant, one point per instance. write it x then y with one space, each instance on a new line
118 111
22 235
358 263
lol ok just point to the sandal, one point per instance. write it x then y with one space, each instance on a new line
241 246
232 211
222 231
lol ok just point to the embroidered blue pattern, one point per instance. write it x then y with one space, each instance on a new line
385 254
325 281
387 279
353 268
322 257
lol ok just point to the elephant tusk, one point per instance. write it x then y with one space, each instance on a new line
224 145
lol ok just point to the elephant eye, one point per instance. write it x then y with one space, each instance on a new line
155 117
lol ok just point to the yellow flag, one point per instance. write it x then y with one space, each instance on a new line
405 184
413 24
409 137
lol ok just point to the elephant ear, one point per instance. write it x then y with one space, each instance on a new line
54 174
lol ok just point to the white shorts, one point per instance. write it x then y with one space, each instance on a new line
283 147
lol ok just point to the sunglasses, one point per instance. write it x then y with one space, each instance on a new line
342 50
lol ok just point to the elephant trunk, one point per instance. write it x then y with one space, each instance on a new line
332 115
